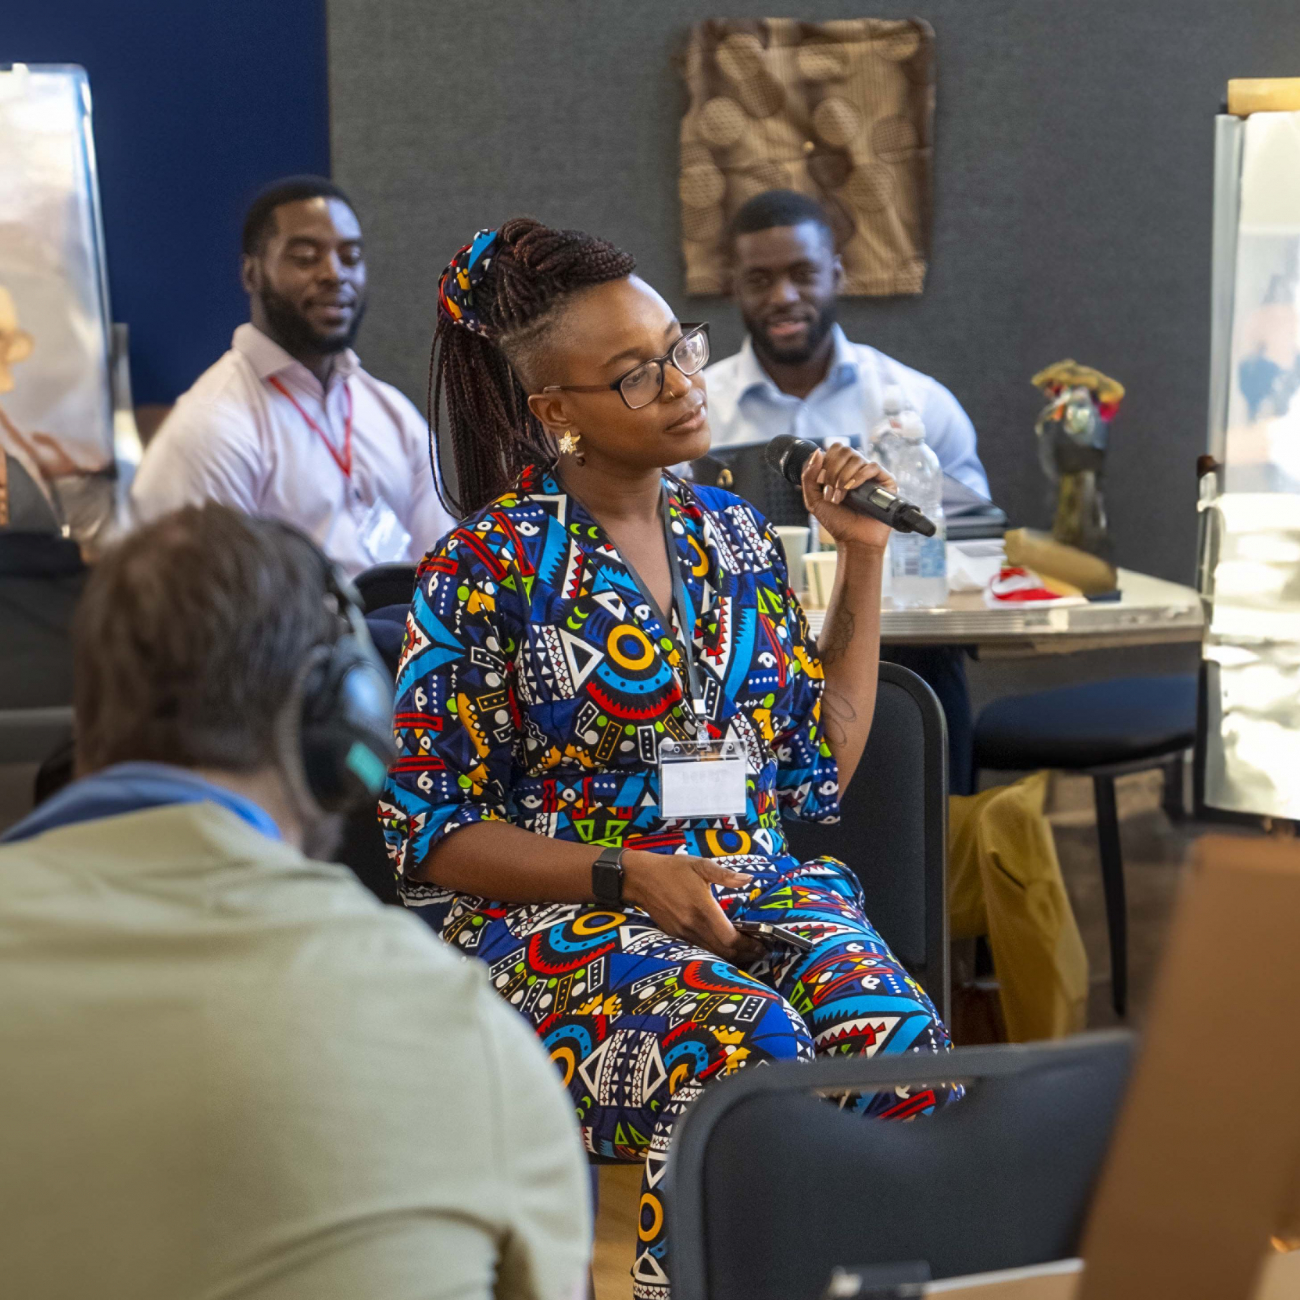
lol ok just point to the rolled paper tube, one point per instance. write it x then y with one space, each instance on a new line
1263 95
1052 559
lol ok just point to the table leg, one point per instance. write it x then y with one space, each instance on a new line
1112 880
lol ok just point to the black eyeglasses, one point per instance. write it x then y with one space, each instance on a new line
643 383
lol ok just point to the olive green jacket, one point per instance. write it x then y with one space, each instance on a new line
226 1070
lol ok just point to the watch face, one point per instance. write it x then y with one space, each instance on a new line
607 881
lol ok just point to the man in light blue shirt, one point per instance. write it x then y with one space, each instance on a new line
797 373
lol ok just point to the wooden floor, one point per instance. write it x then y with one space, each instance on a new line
616 1224
1155 851
1155 855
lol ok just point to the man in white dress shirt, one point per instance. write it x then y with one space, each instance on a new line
796 372
287 423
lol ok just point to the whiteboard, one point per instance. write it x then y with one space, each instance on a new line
1249 569
56 417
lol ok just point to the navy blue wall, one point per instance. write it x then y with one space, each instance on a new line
195 106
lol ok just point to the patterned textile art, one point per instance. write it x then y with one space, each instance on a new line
841 111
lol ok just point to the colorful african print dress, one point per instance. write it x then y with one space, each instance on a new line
535 686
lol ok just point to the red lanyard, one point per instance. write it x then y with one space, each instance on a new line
344 462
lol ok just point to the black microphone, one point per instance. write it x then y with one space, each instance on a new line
788 455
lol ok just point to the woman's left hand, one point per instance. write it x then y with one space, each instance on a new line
827 477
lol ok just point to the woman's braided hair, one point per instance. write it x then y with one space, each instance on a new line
497 300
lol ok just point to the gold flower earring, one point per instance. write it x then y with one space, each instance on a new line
568 445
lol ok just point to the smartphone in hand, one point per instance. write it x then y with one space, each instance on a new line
774 936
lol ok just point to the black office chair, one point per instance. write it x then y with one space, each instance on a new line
385 591
1103 730
770 1188
893 828
41 578
385 584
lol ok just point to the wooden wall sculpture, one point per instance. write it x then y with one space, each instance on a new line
841 111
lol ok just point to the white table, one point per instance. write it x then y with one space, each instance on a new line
1150 611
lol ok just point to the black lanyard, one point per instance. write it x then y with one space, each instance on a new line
694 685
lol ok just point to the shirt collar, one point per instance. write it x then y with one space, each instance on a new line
130 787
844 360
842 371
268 358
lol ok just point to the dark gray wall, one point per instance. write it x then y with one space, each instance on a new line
1072 214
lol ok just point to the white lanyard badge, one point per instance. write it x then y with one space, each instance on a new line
701 778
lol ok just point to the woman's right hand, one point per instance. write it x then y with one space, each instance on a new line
674 889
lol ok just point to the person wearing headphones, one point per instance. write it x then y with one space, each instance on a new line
217 1049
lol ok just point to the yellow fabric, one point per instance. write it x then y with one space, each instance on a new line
1004 881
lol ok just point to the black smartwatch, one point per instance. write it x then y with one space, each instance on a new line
607 877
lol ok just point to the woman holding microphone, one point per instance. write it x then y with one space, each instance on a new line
609 699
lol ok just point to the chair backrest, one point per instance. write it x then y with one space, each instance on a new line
893 828
771 1187
385 584
41 579
361 847
386 592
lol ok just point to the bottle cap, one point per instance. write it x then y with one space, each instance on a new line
911 426
893 400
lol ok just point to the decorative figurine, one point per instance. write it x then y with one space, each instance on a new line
1072 430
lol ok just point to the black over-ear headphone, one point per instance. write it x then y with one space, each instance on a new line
337 733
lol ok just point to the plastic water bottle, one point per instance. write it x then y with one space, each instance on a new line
918 566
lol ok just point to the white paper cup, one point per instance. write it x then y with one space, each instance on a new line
819 577
794 542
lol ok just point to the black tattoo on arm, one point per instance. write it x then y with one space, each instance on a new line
836 637
837 716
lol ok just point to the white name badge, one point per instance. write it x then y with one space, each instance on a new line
701 778
382 534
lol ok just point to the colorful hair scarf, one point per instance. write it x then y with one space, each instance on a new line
463 275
